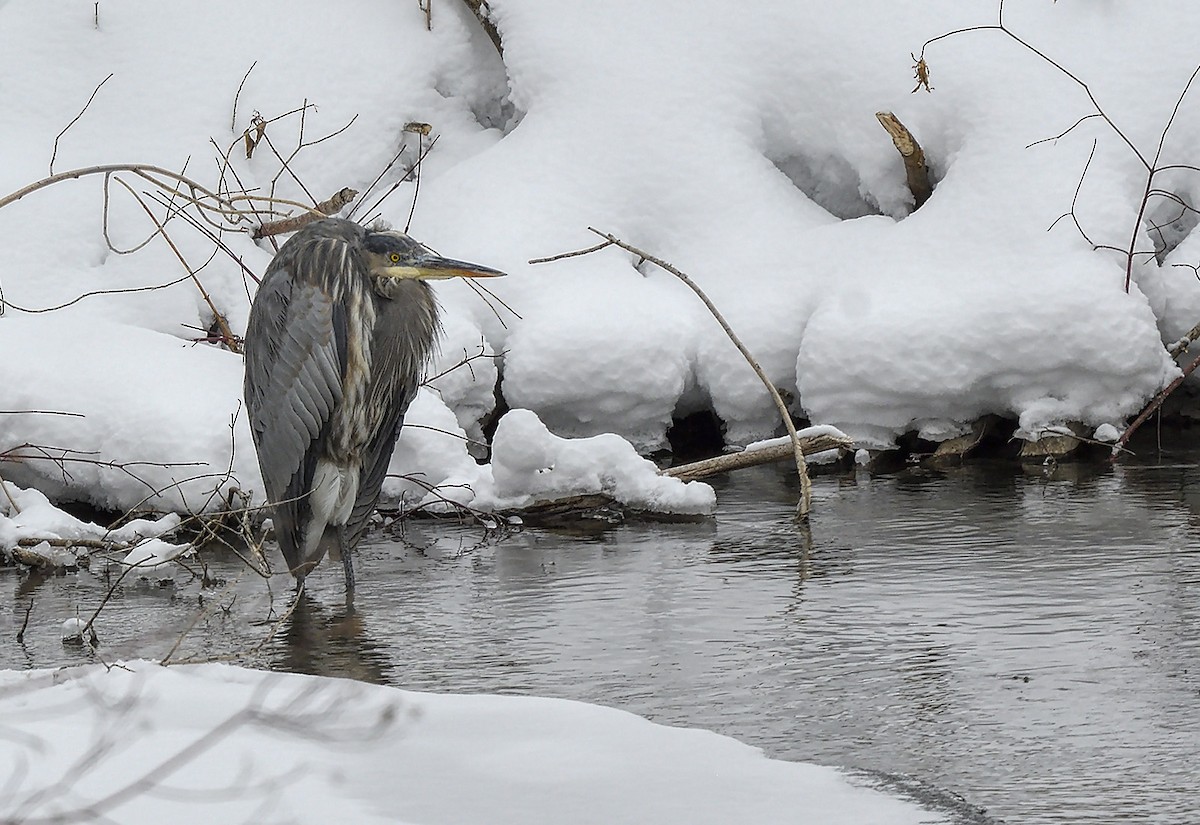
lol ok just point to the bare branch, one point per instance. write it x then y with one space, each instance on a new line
238 94
218 316
574 254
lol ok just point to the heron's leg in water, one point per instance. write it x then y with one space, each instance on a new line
347 563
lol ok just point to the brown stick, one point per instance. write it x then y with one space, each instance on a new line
752 458
322 210
914 157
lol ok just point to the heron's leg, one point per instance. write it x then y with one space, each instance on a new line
347 563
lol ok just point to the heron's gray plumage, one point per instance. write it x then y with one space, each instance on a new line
337 340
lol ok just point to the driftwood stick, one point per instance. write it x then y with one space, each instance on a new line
914 157
322 210
751 458
805 503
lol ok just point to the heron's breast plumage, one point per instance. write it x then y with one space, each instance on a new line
354 420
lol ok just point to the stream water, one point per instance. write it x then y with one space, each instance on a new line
1026 638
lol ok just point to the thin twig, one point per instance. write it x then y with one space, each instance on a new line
403 178
238 94
95 292
74 120
574 254
25 622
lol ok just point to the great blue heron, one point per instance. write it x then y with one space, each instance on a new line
338 336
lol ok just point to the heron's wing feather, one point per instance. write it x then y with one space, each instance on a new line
295 359
375 466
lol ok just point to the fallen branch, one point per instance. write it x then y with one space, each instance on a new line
33 558
755 457
914 157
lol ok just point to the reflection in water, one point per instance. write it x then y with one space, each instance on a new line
325 642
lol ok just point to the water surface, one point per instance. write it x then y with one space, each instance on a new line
1025 638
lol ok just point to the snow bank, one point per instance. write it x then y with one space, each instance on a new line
214 743
27 516
739 144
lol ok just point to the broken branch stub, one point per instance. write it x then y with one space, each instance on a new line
322 210
915 170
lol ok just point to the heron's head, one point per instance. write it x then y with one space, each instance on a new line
394 255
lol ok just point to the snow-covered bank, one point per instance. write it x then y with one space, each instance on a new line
215 743
740 144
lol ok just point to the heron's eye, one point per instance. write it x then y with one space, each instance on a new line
394 257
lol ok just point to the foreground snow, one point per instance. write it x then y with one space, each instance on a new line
740 143
215 743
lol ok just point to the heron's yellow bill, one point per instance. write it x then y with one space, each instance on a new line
433 269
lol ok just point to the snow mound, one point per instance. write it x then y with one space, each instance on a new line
216 743
530 465
27 515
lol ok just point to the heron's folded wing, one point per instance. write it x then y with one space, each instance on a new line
294 364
